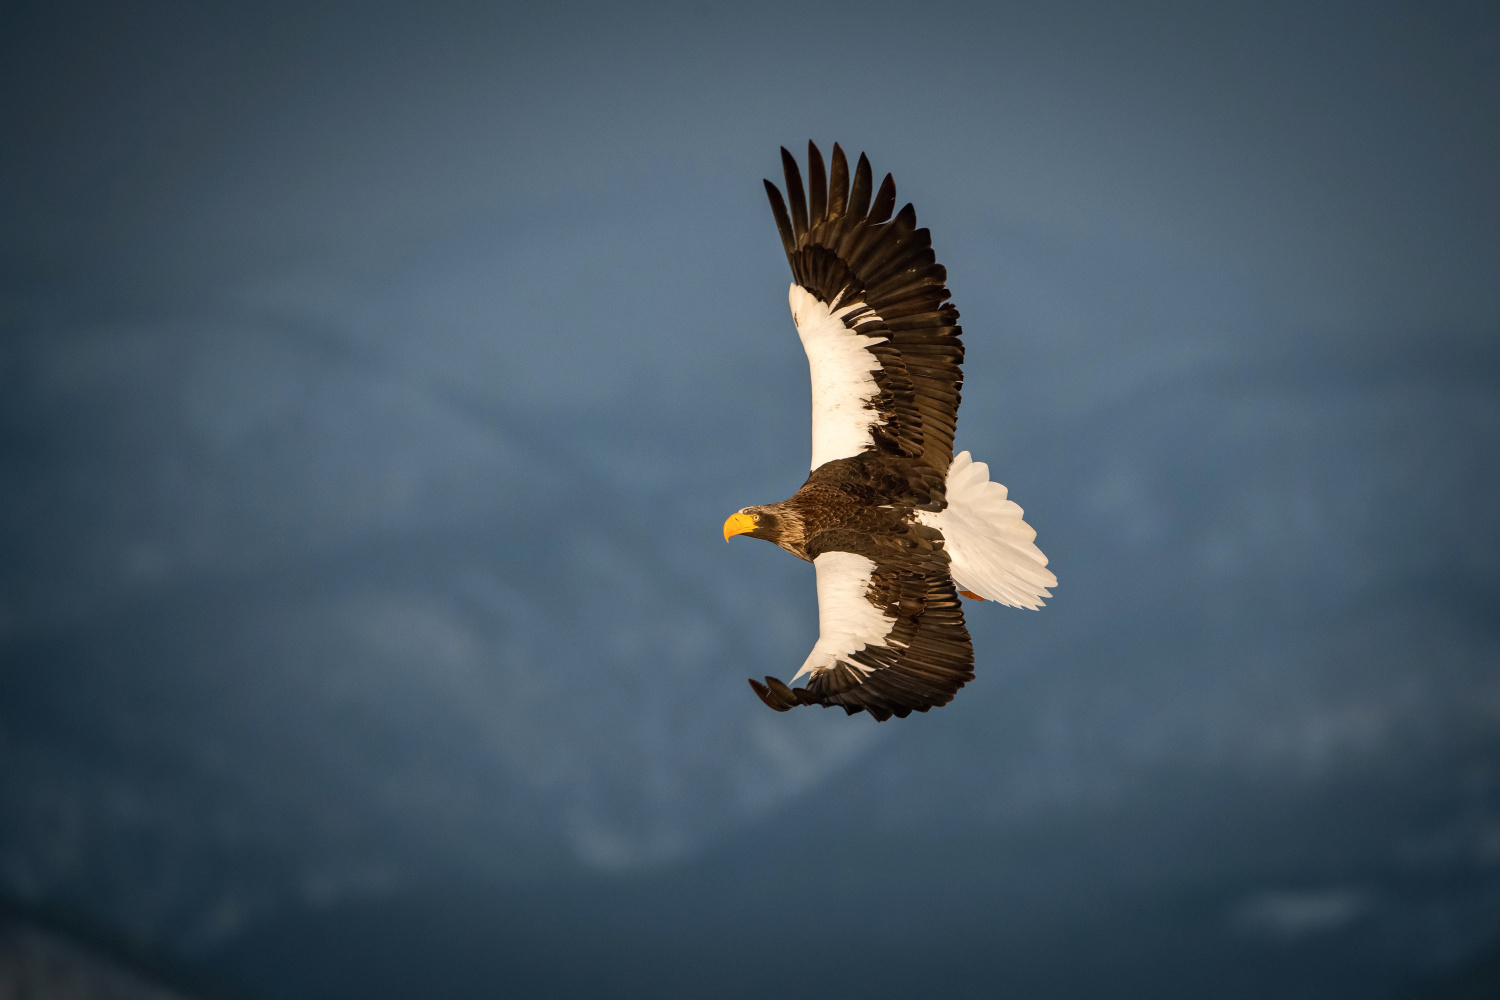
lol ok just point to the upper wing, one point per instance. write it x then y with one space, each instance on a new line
891 639
882 340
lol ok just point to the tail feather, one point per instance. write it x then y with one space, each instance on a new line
991 549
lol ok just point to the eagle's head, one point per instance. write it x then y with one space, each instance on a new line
774 523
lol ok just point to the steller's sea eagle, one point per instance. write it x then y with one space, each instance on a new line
895 525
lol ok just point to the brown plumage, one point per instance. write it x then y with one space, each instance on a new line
885 352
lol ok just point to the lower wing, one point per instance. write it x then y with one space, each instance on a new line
891 639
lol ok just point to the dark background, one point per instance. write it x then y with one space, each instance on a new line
375 379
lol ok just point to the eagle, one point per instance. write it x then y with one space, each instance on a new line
896 526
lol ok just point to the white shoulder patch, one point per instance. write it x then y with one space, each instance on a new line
991 551
843 380
847 621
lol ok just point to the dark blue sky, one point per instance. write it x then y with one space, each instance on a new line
374 380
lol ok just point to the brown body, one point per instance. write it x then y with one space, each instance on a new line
864 504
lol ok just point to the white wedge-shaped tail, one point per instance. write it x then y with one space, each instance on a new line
991 551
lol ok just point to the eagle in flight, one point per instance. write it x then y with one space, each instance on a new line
895 525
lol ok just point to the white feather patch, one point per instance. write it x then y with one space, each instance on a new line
847 621
843 380
991 551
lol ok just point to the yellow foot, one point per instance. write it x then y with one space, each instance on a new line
971 595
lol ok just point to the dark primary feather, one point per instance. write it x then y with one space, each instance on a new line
783 222
817 185
795 193
885 200
859 200
838 184
843 247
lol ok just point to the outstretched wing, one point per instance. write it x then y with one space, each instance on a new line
891 639
869 302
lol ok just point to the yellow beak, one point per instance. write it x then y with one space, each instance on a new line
738 524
